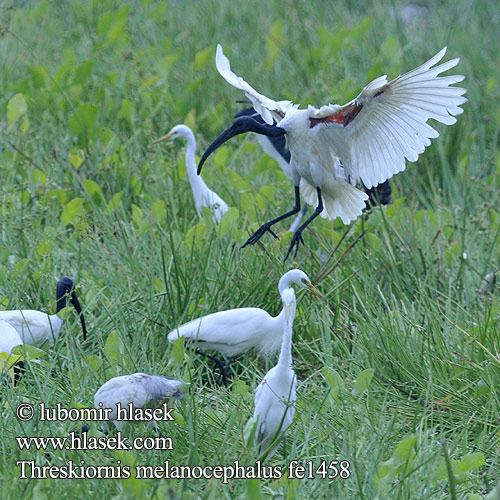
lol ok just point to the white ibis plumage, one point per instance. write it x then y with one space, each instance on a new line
373 135
35 327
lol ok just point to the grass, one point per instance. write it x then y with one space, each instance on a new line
86 194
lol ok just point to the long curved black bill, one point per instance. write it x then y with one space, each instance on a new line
241 125
78 308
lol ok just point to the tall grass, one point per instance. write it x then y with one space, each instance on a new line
86 193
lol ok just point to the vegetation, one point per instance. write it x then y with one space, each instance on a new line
399 375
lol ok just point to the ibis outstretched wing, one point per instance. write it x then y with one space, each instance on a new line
387 122
267 108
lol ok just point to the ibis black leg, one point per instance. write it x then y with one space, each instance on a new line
379 195
297 236
267 226
18 371
222 368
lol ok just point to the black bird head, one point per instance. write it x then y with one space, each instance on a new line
239 126
277 142
65 288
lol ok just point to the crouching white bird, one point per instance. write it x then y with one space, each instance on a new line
9 338
35 327
203 196
236 331
276 395
140 389
372 135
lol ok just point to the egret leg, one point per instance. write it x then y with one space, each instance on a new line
297 236
267 226
222 368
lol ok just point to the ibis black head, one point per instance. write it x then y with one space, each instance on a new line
65 288
239 126
277 142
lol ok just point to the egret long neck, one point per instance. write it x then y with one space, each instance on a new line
197 183
285 359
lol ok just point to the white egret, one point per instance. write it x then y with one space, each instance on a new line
9 338
35 327
203 196
140 389
276 395
372 135
236 331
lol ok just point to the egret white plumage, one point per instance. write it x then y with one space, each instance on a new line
236 331
203 196
276 395
372 135
35 327
140 389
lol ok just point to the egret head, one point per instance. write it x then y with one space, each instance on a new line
239 126
299 278
179 131
65 289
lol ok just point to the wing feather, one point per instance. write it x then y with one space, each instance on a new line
387 123
269 109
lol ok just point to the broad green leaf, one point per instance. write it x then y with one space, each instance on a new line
404 448
249 432
177 352
72 211
76 160
16 107
39 76
363 381
95 363
127 111
470 462
159 212
115 202
137 215
84 119
113 348
195 236
159 286
94 191
228 221
334 380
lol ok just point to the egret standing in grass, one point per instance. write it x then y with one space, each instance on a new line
276 395
140 389
203 196
35 327
236 331
372 135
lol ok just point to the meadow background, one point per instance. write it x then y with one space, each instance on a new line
400 374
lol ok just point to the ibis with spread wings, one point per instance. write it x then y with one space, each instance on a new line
372 136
